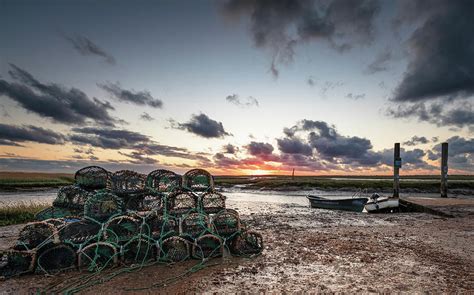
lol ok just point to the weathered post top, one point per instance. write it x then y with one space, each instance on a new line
397 164
444 170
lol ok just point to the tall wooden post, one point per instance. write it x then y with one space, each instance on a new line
397 164
293 174
444 170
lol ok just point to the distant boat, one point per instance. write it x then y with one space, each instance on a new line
377 203
355 204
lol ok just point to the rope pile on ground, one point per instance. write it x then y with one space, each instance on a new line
129 220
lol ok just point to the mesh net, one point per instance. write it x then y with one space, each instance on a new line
71 197
152 201
138 251
36 234
92 178
247 243
226 223
55 212
14 262
97 256
175 249
120 229
163 181
212 202
55 259
207 246
158 227
198 180
103 205
194 224
79 232
128 182
181 202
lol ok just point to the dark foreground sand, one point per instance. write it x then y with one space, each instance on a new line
312 250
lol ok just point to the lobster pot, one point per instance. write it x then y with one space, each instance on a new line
212 202
133 201
198 180
127 182
194 225
54 212
72 197
103 205
152 201
92 178
55 259
120 229
207 246
36 234
226 223
14 262
158 227
97 256
138 251
80 232
163 181
247 243
174 249
181 202
58 223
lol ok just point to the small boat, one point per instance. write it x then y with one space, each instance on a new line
338 203
377 203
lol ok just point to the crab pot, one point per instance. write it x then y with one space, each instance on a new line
158 227
103 205
80 232
207 246
92 178
36 234
14 262
152 201
174 249
97 256
247 243
213 202
127 182
55 212
133 201
55 259
120 229
138 251
71 197
181 202
163 181
198 180
58 223
194 225
226 223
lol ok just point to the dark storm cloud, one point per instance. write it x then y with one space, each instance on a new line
294 145
146 117
203 126
280 25
411 159
416 140
138 158
86 47
107 138
259 148
242 102
131 96
13 135
53 101
441 51
230 149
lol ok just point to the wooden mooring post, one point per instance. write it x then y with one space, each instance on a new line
397 164
444 170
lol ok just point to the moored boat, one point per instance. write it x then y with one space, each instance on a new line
377 203
355 204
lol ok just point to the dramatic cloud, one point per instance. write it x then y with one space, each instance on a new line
131 96
230 149
441 51
380 62
416 140
146 117
12 135
280 25
294 145
203 126
53 101
86 47
259 148
242 102
107 138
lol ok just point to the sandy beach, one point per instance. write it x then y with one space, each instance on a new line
309 250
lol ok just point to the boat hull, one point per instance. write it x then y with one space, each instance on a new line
348 204
384 205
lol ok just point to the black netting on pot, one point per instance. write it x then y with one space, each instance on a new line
175 249
181 202
247 243
158 227
97 256
194 224
55 212
71 197
213 202
58 223
198 180
120 229
207 246
57 258
152 201
226 223
134 201
92 178
127 182
13 262
102 205
163 181
80 232
138 251
36 234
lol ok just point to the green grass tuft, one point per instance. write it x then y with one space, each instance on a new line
20 212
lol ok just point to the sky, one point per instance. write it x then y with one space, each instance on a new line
237 87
